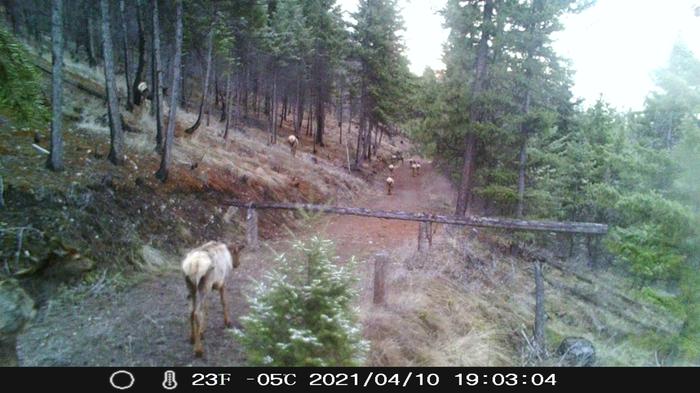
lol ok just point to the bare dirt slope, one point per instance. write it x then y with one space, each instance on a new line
146 324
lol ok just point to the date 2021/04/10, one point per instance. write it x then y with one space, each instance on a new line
384 379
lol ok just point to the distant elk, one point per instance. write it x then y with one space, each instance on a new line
293 142
391 168
206 268
389 185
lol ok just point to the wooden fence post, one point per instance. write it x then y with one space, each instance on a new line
424 236
251 227
538 329
380 261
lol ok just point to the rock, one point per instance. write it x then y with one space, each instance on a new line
16 307
576 351
153 257
16 310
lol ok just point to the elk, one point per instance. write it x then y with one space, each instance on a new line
417 168
293 143
389 185
391 168
206 268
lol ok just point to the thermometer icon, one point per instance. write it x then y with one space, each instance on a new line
169 382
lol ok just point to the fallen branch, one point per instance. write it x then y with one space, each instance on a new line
40 149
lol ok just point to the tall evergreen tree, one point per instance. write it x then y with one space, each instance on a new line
116 154
166 157
55 160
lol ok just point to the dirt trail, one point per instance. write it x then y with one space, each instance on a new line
428 192
146 324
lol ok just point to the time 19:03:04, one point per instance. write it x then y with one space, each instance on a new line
511 379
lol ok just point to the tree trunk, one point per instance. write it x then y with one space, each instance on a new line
162 173
523 159
273 108
205 82
464 195
320 117
157 76
125 43
299 114
538 330
55 160
228 105
90 50
116 154
138 77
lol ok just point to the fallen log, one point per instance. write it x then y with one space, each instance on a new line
475 221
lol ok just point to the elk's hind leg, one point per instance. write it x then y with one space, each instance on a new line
193 317
222 293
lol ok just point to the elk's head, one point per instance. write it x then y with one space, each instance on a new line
235 250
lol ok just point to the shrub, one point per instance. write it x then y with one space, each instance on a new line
20 84
302 315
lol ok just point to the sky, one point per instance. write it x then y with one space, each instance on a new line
614 46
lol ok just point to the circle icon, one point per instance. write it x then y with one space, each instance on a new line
118 384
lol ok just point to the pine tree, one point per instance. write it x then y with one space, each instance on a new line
55 160
116 154
303 315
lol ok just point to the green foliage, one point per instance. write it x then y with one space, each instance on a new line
21 95
302 315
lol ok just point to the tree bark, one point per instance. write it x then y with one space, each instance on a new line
228 105
125 43
138 76
272 122
464 195
162 173
157 76
538 329
205 82
116 155
90 50
55 160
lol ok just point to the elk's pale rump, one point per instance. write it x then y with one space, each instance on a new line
206 268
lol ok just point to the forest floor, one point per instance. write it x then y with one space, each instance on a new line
146 324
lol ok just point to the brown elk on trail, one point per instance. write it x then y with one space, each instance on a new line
206 268
293 142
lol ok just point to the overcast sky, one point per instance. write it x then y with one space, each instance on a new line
614 46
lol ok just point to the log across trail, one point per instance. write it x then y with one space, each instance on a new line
475 221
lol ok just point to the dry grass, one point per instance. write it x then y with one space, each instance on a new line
468 305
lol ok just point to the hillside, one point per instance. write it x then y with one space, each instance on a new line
102 255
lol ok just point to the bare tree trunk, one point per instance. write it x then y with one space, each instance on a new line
125 43
273 108
157 76
464 195
138 77
205 89
299 114
162 173
228 105
90 44
320 116
116 154
55 160
539 311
